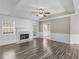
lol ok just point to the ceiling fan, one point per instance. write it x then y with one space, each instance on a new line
41 12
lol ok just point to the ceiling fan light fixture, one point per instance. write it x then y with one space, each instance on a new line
42 13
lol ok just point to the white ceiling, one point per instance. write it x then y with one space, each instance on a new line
24 8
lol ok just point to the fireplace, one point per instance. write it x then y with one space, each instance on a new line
24 36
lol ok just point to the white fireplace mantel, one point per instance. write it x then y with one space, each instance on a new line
25 40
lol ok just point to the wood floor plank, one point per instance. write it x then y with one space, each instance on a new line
40 49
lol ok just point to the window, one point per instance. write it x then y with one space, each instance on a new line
8 26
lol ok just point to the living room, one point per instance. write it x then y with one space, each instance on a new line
39 29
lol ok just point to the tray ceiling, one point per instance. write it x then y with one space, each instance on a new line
24 8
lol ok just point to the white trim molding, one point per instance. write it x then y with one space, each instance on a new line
74 38
60 37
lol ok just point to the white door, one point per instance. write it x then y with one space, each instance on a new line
46 30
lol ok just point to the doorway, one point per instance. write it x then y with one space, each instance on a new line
46 30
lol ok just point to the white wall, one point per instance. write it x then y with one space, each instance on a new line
25 25
20 25
76 6
68 5
0 29
6 38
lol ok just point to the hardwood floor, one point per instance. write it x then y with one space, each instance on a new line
40 49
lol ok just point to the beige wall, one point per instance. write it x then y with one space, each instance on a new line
75 24
74 36
58 25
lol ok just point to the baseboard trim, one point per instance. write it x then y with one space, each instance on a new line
59 37
74 38
7 44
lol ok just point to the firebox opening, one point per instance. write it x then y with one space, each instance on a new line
24 36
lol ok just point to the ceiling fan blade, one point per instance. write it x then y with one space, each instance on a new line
47 12
45 15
